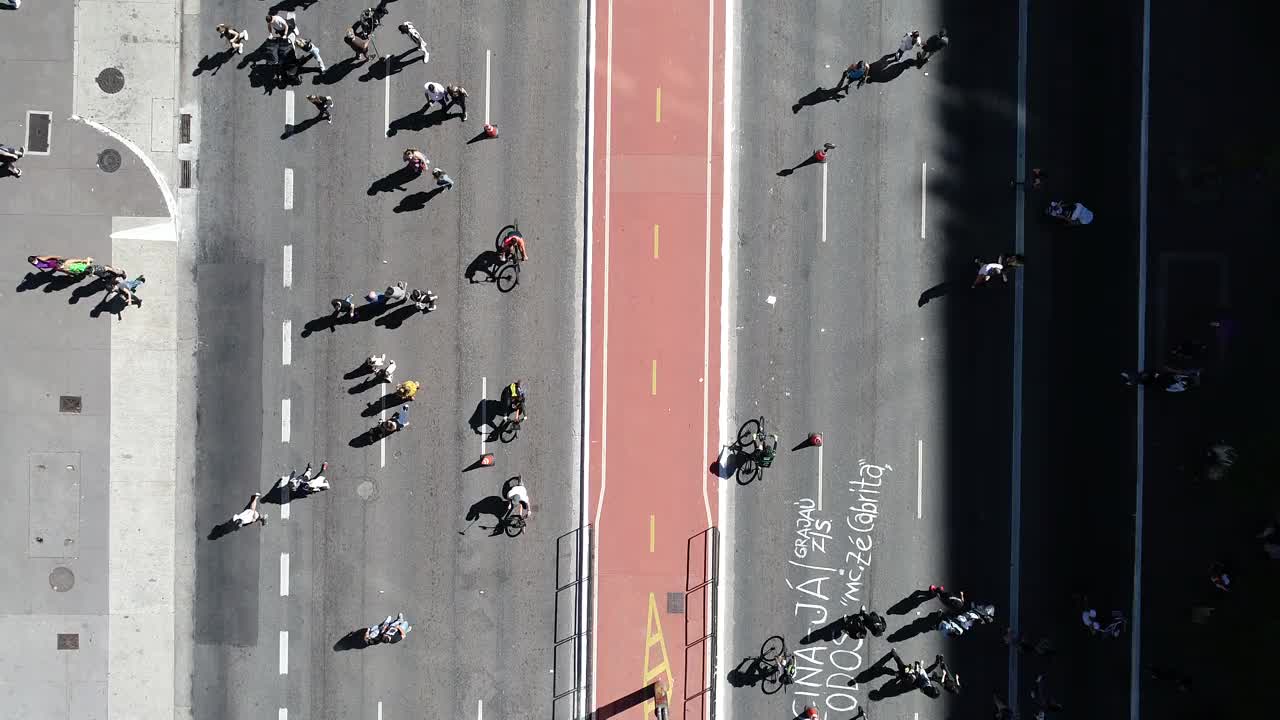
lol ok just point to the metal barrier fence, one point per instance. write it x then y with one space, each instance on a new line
701 594
575 555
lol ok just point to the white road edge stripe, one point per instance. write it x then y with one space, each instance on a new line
286 422
284 574
288 266
288 188
286 342
284 652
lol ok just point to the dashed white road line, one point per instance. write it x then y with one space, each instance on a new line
924 171
284 574
288 188
284 652
488 57
382 441
288 266
819 478
919 479
286 422
288 107
479 710
286 345
284 502
284 714
824 212
379 710
386 100
484 411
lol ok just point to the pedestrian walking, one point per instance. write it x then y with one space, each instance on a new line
343 307
457 95
948 680
424 300
416 159
407 28
250 514
128 290
1044 703
76 267
935 43
235 37
359 45
952 601
50 262
324 104
660 703
1219 577
277 26
309 481
435 93
913 673
909 41
858 72
8 156
820 155
308 50
442 179
988 270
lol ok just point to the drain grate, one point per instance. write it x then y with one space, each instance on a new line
111 80
109 160
184 174
184 128
69 404
675 603
68 641
39 124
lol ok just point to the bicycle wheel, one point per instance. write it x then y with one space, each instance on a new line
772 648
503 234
508 276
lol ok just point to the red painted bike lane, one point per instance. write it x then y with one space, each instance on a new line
654 341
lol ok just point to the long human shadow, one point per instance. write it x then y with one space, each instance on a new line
397 317
388 65
917 626
486 412
386 402
287 5
353 640
222 530
49 280
331 321
624 703
811 160
99 285
213 63
490 505
886 69
748 673
299 128
336 72
115 306
416 201
911 602
819 96
942 289
877 669
394 181
827 633
418 120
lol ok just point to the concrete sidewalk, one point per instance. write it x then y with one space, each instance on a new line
89 402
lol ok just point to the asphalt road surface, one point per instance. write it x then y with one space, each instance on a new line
292 217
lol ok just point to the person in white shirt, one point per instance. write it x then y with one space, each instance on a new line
250 514
408 29
518 500
277 26
306 483
435 93
909 41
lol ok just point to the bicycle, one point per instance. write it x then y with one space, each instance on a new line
508 273
513 522
781 663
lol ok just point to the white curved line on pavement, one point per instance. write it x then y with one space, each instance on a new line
170 201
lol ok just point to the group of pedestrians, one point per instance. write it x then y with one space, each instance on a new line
115 280
861 72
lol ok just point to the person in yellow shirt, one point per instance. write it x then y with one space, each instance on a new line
407 389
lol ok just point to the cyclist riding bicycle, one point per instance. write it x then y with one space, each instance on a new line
513 241
786 664
513 397
518 500
764 447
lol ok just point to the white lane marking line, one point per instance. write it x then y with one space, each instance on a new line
288 188
286 347
288 107
924 171
488 56
284 574
824 202
288 266
1135 628
819 478
386 99
919 479
1015 474
382 441
284 502
379 710
479 710
608 239
484 410
284 714
284 652
286 422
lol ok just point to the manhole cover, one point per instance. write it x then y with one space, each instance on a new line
69 404
62 579
109 160
111 80
365 490
68 641
675 603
